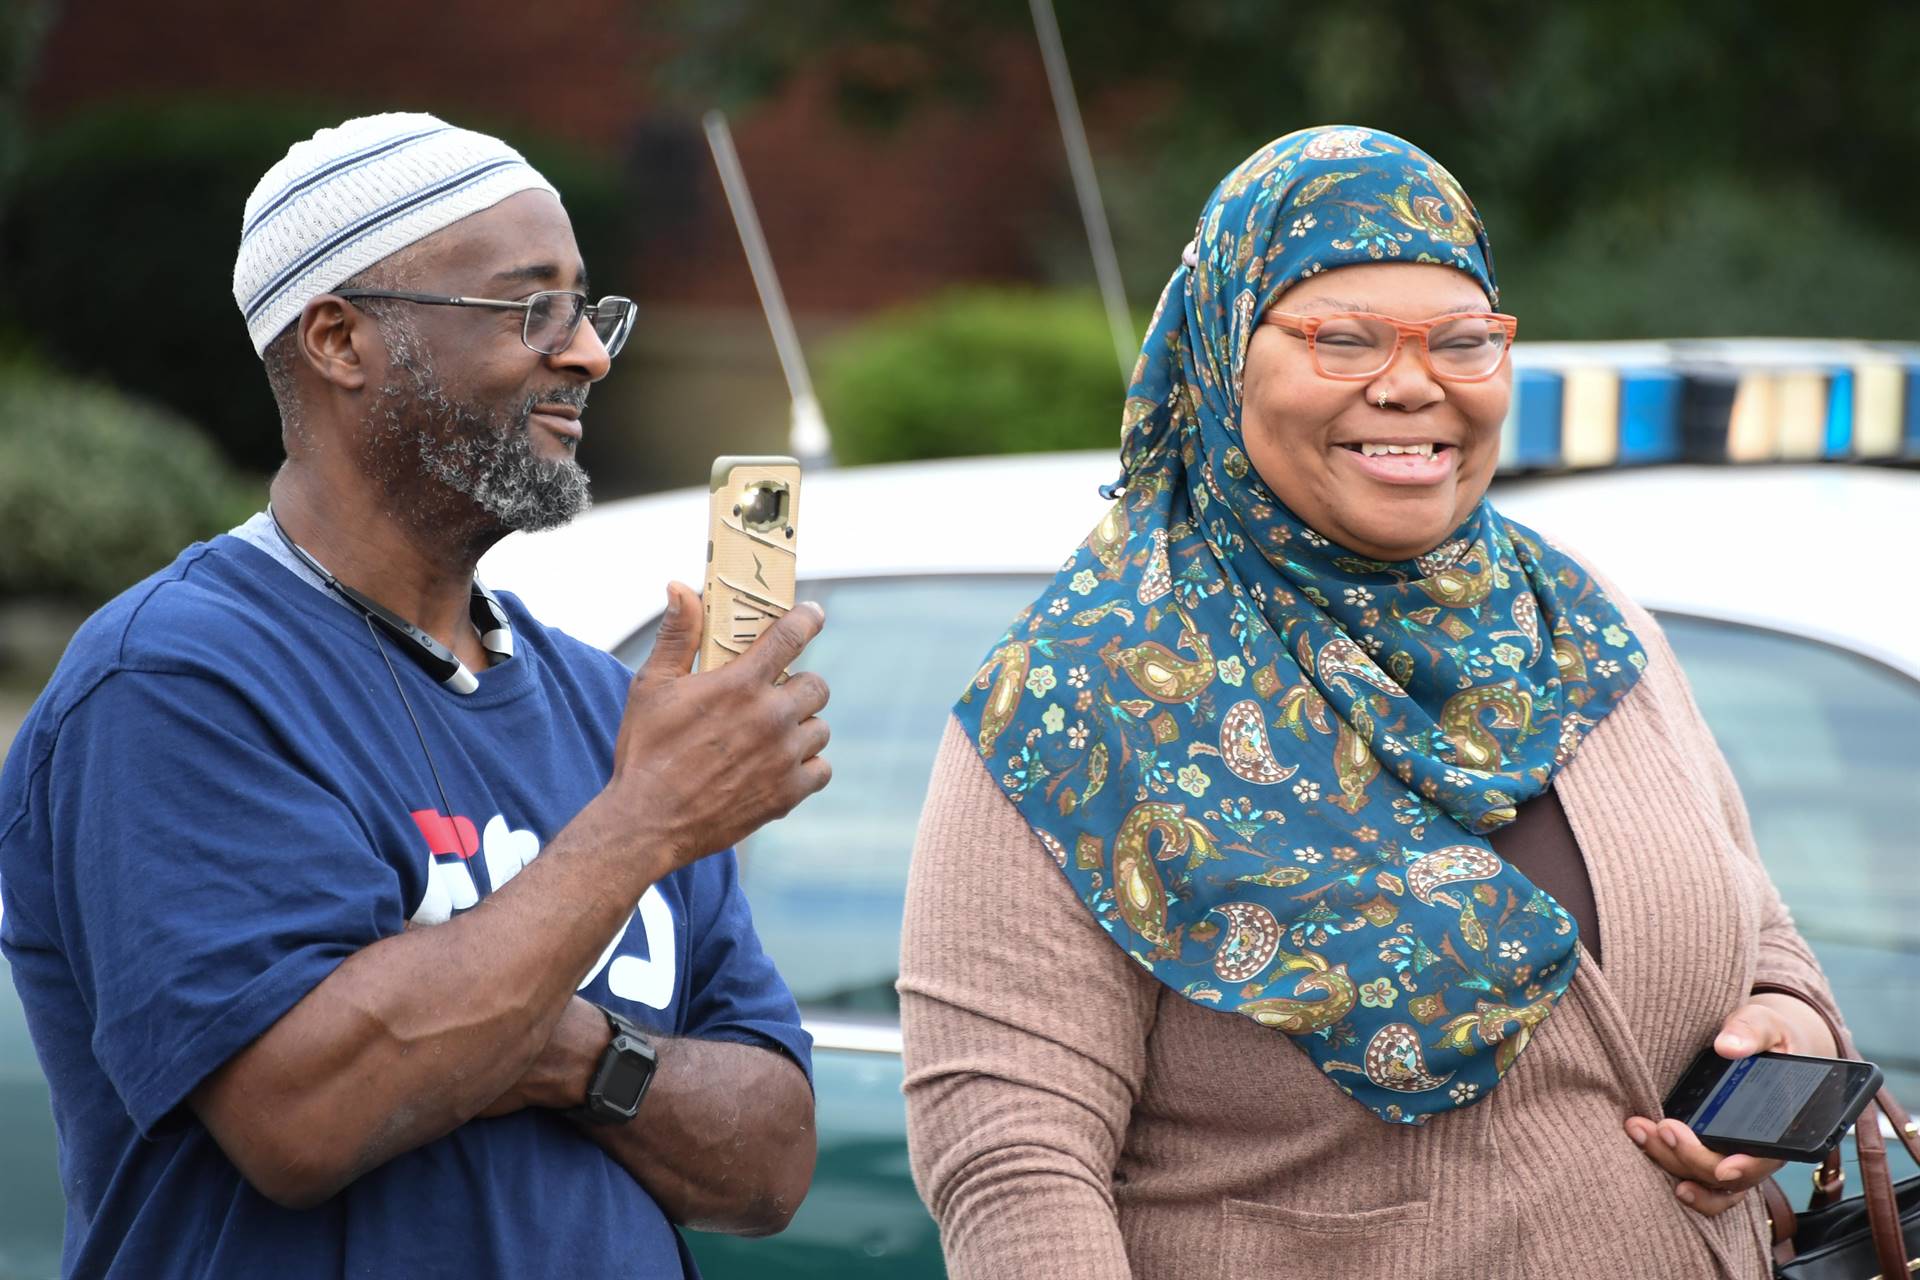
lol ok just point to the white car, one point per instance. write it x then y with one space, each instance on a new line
1783 588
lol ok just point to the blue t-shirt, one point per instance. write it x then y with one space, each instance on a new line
219 798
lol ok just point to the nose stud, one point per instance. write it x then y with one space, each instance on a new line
1383 400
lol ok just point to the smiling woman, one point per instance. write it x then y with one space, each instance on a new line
1307 738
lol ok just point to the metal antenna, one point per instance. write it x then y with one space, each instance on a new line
1106 266
807 435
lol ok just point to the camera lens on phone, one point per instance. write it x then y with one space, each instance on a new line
761 505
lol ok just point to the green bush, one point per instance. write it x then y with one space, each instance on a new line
976 371
120 236
98 489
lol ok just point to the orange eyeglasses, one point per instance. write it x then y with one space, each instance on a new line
1353 346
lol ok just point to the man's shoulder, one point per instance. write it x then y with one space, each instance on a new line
126 633
190 618
167 613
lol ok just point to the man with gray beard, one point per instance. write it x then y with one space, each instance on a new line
247 832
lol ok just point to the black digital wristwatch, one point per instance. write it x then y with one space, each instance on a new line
621 1079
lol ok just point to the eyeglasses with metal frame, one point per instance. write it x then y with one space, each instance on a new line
553 316
1353 346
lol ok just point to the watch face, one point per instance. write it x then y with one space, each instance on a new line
625 1080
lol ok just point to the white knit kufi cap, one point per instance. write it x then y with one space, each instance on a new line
349 196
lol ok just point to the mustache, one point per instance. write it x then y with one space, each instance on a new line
571 397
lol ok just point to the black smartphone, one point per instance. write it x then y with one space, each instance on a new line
1778 1105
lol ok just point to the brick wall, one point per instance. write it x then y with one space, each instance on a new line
856 218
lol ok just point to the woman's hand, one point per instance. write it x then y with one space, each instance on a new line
1711 1182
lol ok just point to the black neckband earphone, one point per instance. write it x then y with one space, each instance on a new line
438 661
435 658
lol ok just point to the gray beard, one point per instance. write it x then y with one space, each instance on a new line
417 431
494 464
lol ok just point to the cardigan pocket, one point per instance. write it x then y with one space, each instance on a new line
1258 1241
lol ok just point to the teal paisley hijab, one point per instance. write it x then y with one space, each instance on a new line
1267 765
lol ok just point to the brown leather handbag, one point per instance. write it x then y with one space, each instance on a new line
1862 1238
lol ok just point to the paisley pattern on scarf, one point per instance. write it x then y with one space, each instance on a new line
1268 766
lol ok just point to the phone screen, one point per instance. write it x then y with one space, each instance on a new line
1759 1098
1775 1099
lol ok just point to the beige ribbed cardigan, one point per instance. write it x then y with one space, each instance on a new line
1068 1116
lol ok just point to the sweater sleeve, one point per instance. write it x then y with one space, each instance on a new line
1025 1041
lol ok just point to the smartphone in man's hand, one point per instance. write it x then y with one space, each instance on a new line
753 531
1780 1106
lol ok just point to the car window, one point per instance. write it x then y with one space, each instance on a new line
1826 747
826 883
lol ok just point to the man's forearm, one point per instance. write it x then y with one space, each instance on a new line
413 1036
724 1140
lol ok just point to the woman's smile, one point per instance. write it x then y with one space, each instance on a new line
1400 460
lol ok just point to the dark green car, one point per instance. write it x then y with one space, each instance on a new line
1825 740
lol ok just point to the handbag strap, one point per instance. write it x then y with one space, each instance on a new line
1883 1210
1904 1125
1782 1221
1827 1179
1870 1147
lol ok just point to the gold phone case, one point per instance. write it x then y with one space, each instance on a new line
752 532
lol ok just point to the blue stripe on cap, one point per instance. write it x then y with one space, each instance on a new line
369 224
328 170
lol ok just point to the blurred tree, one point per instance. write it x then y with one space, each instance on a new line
972 372
99 489
1647 167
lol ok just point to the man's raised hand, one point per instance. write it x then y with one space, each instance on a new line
712 757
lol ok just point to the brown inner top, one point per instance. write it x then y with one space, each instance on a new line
1540 845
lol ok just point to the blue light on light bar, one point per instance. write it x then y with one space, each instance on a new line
1839 433
1534 419
1649 415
